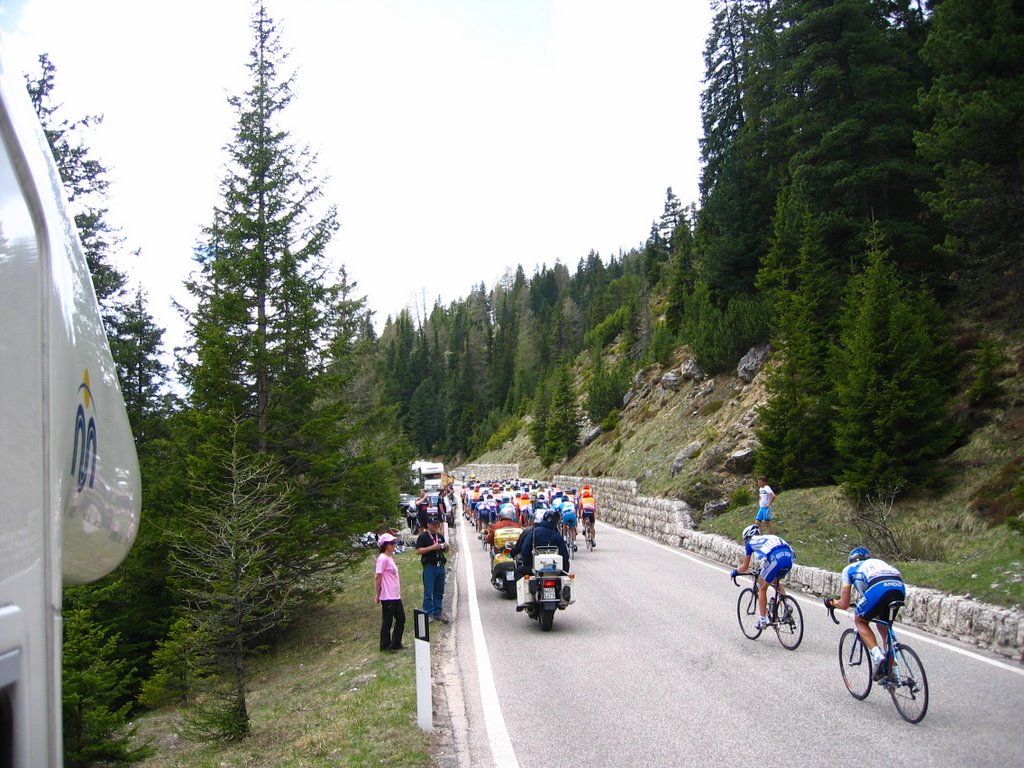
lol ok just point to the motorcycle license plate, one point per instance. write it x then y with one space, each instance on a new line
549 593
510 576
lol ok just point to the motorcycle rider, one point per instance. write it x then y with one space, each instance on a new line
507 518
543 534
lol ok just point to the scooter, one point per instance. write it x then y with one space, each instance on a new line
503 565
547 589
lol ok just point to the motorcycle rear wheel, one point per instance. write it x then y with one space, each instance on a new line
547 619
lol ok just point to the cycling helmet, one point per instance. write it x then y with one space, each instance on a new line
552 516
859 553
751 530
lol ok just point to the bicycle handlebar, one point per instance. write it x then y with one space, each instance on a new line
751 574
831 610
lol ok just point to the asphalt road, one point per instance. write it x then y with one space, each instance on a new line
649 667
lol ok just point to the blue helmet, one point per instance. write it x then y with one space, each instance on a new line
859 553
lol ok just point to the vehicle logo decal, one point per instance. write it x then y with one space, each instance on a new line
83 457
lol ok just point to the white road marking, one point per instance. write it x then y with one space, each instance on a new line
502 753
811 601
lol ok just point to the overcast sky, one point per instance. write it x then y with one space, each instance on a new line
460 137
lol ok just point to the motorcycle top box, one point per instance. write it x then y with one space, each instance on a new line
506 536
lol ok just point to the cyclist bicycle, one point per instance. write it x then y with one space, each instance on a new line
569 522
879 585
775 557
588 508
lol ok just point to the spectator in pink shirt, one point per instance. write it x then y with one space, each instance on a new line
392 612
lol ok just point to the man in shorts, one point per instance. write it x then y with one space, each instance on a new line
879 585
775 558
765 497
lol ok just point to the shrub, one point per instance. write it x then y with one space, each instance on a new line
740 497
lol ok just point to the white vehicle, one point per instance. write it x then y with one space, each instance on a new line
431 473
71 497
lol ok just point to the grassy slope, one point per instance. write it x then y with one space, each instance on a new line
951 547
326 697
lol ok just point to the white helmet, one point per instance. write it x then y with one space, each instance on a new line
751 530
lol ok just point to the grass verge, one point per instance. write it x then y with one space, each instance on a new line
984 563
325 696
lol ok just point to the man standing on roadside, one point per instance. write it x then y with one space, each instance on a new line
764 505
432 549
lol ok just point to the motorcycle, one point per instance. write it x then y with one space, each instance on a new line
546 589
503 565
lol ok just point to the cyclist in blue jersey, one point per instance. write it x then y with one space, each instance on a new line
569 521
775 557
879 585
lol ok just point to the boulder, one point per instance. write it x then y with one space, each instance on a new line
715 508
688 452
591 435
740 461
691 371
753 362
672 380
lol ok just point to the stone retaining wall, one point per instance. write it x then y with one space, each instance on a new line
1000 630
487 472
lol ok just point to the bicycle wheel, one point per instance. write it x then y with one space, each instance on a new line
789 624
908 685
746 612
855 664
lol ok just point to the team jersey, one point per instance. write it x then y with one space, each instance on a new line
864 574
767 545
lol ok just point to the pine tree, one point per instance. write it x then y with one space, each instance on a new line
846 81
276 336
538 429
562 433
795 425
143 375
96 689
239 576
974 140
890 370
86 184
742 148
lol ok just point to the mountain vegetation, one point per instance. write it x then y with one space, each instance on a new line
860 212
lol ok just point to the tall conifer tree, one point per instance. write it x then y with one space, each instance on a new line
277 336
890 369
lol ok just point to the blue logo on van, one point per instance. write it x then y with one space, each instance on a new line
83 458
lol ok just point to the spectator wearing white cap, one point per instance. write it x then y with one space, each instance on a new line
388 594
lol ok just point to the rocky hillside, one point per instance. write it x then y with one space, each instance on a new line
681 435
